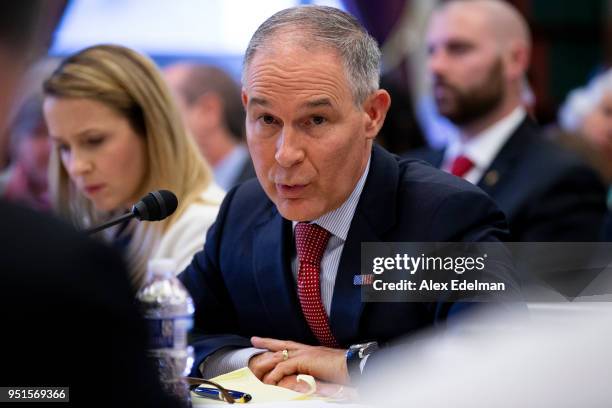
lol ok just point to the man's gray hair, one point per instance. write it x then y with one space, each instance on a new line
332 28
582 101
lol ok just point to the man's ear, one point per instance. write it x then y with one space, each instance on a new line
244 97
517 60
375 109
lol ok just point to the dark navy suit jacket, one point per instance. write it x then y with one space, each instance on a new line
546 192
242 283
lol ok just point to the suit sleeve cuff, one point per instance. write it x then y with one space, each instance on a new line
226 360
362 363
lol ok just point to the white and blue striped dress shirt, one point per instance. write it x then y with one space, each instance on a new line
337 222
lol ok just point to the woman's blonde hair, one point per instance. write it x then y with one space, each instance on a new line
130 84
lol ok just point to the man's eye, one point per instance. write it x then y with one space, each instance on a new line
267 119
318 120
459 49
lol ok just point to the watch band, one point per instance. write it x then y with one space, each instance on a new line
355 355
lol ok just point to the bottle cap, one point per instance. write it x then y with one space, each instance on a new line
162 267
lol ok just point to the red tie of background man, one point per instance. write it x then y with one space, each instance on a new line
461 165
311 241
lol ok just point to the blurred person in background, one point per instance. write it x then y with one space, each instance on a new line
209 100
65 301
25 181
116 136
478 56
587 113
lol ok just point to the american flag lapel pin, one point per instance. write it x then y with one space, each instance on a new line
359 280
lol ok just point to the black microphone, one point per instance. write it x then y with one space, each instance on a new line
155 206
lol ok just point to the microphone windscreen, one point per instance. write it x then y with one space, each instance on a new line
155 206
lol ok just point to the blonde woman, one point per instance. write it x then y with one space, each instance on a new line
118 135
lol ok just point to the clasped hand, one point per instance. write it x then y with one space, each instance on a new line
326 365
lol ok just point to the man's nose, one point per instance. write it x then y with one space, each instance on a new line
436 61
289 149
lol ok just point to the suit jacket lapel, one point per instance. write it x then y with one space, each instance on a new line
248 171
347 307
375 214
431 156
436 157
507 157
274 280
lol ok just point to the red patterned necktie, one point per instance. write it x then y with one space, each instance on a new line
311 241
461 165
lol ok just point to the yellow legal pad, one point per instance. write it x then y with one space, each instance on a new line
245 381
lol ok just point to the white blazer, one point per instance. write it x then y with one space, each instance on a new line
186 235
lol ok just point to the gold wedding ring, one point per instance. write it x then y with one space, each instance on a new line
285 355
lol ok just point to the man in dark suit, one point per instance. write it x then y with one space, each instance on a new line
281 259
66 306
478 57
209 100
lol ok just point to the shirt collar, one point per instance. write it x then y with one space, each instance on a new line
338 221
482 148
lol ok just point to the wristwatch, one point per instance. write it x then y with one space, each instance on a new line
355 355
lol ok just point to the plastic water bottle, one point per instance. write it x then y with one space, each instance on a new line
168 311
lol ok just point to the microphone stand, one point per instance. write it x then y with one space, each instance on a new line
155 206
110 223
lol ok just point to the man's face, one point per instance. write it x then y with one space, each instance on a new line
466 68
201 117
176 77
308 140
